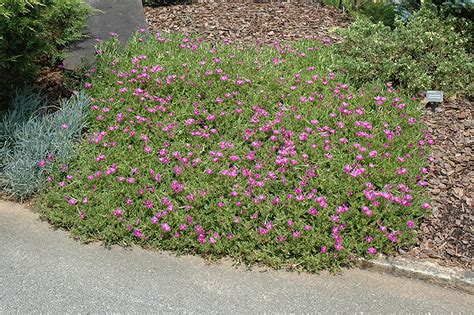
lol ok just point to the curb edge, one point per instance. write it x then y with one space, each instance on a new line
422 270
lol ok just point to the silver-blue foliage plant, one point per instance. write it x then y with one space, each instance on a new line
31 139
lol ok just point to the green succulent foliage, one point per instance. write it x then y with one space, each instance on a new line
28 134
425 53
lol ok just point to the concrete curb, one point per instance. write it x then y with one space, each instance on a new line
422 270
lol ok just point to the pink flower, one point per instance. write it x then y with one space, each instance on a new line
42 163
410 224
149 204
313 211
262 231
117 212
392 237
373 153
138 233
367 211
372 250
165 227
177 187
402 171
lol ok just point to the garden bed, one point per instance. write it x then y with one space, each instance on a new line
447 236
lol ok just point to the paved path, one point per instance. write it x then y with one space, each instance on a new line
123 17
43 270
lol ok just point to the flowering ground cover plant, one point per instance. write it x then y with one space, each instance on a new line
261 154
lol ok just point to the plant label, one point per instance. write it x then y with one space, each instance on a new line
434 96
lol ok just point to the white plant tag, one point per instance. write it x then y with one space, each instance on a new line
434 96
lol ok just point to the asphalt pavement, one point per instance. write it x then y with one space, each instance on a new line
43 270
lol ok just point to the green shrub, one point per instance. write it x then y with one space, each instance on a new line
379 12
30 137
460 14
30 29
426 53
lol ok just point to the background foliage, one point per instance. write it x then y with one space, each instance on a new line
31 30
425 53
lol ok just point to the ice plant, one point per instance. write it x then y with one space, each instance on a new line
261 155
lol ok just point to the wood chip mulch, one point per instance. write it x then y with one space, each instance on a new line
52 83
448 235
247 22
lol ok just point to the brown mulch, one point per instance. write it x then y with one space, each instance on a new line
448 235
247 22
52 83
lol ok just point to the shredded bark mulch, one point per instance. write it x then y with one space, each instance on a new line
52 83
448 235
247 22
